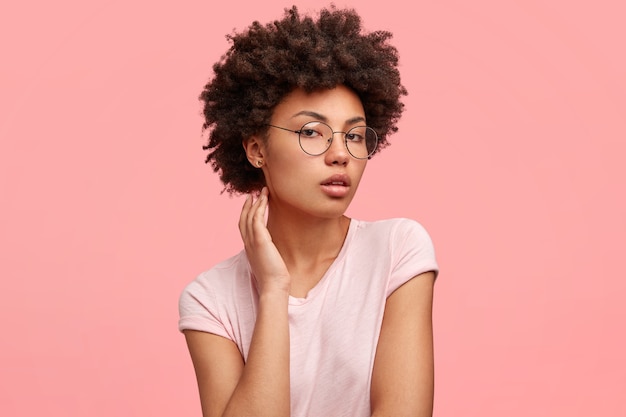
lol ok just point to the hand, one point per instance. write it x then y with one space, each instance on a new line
268 267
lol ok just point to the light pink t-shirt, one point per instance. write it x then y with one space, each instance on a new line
334 330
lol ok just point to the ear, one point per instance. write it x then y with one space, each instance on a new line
254 147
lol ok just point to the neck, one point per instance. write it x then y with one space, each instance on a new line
306 241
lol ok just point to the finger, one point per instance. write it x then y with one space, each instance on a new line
250 216
255 216
264 203
256 220
258 217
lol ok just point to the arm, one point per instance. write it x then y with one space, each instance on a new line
403 374
260 387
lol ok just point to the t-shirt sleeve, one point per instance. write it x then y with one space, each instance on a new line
412 253
198 310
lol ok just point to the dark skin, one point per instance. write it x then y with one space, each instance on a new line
304 232
267 62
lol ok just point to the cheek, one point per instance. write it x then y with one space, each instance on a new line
286 170
284 157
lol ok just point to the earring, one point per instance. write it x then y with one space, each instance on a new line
259 163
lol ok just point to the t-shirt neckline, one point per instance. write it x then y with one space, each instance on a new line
323 282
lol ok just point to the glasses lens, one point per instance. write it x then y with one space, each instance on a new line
361 141
315 138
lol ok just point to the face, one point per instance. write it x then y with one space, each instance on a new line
319 186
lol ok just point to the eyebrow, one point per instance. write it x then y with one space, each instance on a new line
325 119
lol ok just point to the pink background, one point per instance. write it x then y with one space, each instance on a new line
511 152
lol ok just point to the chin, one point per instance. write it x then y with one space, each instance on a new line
333 211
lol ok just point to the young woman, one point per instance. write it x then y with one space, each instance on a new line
320 314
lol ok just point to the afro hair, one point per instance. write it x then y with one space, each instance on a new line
267 62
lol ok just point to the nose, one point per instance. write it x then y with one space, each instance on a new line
337 153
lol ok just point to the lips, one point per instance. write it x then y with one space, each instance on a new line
337 186
340 180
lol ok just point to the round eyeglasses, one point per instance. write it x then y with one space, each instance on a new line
315 139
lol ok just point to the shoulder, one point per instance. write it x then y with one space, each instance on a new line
220 279
207 303
388 224
402 243
394 230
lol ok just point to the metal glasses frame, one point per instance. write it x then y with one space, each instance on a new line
345 138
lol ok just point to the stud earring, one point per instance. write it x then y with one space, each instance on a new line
259 163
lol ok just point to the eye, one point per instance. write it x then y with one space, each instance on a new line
353 137
311 133
356 135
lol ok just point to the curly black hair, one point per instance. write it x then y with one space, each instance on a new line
266 62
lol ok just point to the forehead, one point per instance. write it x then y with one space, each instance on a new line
337 104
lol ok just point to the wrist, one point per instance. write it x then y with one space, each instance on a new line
273 287
274 292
